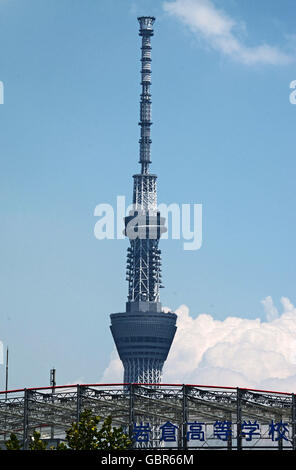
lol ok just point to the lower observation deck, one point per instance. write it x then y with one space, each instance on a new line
162 416
143 340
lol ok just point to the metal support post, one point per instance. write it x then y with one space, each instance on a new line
229 438
6 375
78 403
280 439
26 420
131 411
293 421
184 416
52 384
239 418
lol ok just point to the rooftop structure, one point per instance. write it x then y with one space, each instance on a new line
174 415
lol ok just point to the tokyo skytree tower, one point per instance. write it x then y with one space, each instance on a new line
143 334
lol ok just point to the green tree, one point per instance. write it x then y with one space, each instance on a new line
13 443
112 438
36 443
87 435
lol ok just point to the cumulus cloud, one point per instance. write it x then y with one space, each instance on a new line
270 309
235 352
223 33
114 371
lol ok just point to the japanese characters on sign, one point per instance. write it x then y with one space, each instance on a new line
222 430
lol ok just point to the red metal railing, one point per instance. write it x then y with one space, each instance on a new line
149 384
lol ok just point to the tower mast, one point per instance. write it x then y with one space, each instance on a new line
146 31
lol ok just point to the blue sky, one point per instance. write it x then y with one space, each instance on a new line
223 136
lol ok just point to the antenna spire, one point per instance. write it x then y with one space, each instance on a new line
146 31
6 375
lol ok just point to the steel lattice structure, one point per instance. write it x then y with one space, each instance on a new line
143 334
52 410
144 225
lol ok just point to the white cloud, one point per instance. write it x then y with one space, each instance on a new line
270 310
235 352
114 372
222 32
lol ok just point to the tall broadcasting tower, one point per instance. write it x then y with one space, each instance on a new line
143 334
